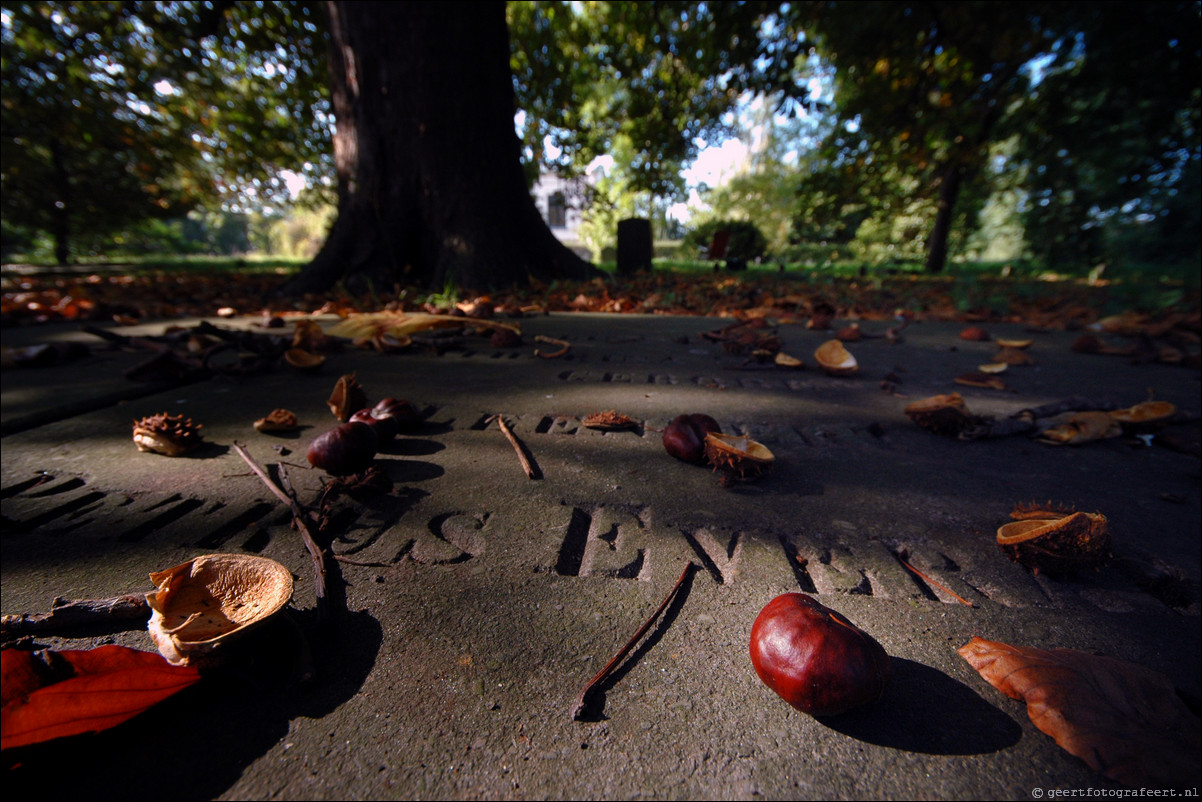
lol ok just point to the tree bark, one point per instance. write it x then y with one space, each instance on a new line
949 192
430 186
60 215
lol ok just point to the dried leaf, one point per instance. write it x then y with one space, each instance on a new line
402 324
1123 719
1083 427
981 379
611 421
51 695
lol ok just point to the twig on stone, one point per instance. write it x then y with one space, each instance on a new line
300 517
564 347
65 613
933 583
531 471
582 699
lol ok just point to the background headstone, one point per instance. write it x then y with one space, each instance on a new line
634 245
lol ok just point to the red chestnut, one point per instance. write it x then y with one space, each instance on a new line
398 410
345 449
814 658
684 437
385 428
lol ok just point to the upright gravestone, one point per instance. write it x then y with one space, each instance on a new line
634 245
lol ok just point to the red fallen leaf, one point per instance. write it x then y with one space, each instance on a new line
974 333
1123 719
49 694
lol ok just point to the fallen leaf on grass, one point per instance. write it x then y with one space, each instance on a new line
51 694
1123 719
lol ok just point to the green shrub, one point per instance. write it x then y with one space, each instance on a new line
746 241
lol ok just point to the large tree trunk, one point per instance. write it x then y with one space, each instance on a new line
64 205
949 191
430 185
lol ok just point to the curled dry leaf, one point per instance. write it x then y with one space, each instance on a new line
1123 719
1147 416
301 359
348 398
202 604
609 421
48 694
783 360
1083 427
993 367
836 360
280 420
941 414
170 435
1013 356
1019 344
981 379
1055 542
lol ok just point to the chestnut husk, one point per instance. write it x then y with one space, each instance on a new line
684 437
814 658
346 449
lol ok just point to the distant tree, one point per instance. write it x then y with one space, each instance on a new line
929 88
82 151
114 112
1111 136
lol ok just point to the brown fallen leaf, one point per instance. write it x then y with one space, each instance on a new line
1126 721
981 379
1082 427
610 421
49 694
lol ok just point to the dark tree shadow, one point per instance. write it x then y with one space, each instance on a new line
925 710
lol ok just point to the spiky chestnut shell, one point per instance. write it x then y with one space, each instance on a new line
1055 542
737 455
170 435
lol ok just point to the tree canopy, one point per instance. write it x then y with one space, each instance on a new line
118 111
1084 115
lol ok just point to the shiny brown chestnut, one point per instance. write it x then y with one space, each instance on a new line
684 437
399 410
814 658
386 428
346 449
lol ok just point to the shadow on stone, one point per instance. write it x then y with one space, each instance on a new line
925 710
593 706
197 744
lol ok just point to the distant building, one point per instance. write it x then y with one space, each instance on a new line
561 201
